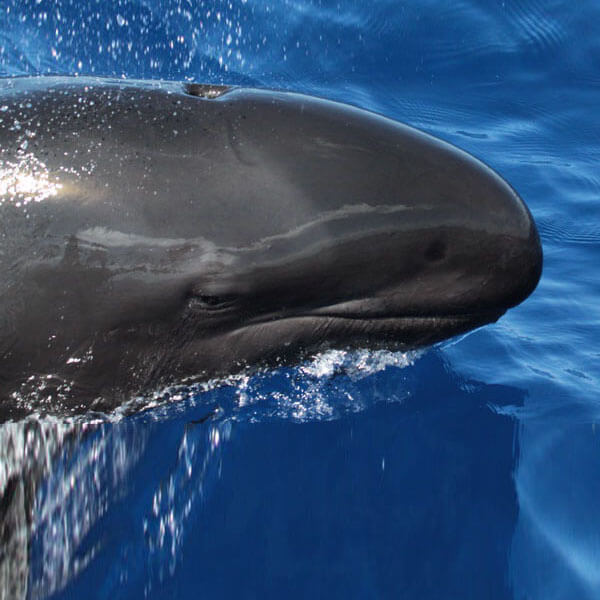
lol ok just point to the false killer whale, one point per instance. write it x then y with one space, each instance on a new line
153 232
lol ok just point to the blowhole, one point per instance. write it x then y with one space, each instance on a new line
206 90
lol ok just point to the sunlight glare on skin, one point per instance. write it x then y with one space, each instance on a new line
25 180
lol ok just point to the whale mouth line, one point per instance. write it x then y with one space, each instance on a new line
407 330
492 314
302 334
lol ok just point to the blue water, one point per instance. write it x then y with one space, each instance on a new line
468 470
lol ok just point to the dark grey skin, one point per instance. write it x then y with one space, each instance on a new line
153 233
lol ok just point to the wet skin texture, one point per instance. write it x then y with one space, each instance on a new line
153 232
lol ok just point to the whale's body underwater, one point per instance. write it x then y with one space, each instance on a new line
153 232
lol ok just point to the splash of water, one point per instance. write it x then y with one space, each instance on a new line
60 477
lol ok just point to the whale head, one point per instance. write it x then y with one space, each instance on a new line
409 241
190 231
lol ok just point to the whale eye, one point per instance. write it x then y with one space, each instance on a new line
203 301
436 251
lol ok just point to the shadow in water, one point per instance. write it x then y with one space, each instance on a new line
357 475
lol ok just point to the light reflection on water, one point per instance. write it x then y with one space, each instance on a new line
560 529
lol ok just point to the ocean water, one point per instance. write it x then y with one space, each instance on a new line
466 470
